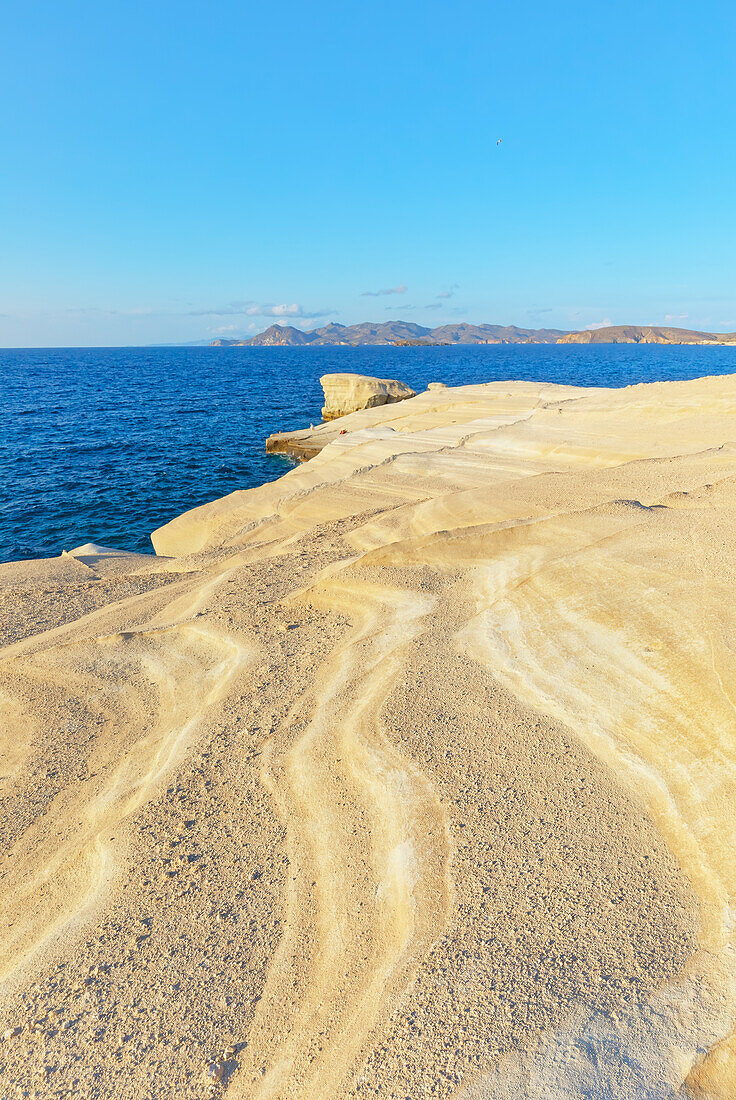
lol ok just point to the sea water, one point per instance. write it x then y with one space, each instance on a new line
106 444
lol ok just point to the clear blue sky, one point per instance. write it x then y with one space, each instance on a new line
172 171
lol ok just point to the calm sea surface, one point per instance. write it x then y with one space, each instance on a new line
105 445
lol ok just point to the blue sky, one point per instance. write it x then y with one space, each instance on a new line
176 171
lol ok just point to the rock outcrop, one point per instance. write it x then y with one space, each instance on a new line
348 393
409 774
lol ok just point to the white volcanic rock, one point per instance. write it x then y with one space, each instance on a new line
347 393
412 774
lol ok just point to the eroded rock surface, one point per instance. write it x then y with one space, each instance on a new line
411 774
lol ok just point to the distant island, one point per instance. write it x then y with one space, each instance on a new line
405 333
645 334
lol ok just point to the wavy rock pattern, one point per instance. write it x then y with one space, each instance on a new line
410 774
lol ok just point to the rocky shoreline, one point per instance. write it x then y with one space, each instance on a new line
410 773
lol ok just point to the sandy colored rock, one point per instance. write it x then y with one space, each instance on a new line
348 393
449 714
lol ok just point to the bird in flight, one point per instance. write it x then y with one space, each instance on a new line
499 141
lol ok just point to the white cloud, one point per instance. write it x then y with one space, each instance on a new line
606 323
401 289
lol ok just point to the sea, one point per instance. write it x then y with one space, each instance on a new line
106 444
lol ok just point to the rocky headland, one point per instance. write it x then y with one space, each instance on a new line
344 394
410 774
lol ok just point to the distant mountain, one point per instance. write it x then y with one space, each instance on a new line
493 334
396 332
390 332
646 334
275 336
404 332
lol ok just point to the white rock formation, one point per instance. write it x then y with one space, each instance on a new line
347 393
434 738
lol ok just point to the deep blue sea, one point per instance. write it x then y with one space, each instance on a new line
105 445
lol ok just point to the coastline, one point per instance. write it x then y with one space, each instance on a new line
445 717
128 474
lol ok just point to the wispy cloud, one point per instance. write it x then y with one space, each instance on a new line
260 309
676 316
401 289
404 309
711 297
249 308
448 293
435 305
605 323
100 311
221 330
284 310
